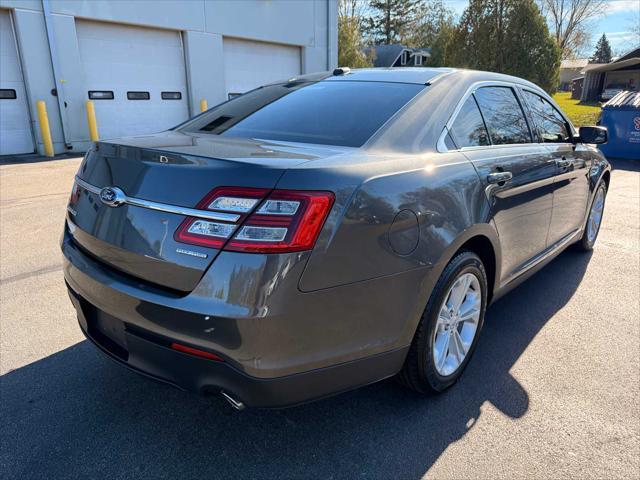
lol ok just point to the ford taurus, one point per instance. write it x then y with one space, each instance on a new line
326 232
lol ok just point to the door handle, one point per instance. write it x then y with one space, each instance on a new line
564 163
499 177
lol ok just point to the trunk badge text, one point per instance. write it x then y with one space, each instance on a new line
112 196
191 253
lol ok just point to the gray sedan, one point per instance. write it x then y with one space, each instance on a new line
323 233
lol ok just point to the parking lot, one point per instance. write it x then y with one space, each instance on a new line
553 390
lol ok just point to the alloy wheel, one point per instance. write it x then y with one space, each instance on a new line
595 216
457 324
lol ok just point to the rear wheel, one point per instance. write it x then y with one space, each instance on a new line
592 228
448 331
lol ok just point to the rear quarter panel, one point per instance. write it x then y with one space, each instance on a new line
392 215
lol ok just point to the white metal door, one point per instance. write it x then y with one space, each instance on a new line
15 125
249 64
136 76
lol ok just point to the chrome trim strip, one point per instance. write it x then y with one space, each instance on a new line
472 88
441 146
87 186
163 207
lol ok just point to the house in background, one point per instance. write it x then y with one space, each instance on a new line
603 81
571 70
397 55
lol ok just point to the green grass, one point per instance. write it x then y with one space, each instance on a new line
579 113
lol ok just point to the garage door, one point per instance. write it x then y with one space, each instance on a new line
136 77
15 126
250 64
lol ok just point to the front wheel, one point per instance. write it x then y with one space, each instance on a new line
448 331
592 228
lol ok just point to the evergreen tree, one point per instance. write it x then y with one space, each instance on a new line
392 21
603 51
506 36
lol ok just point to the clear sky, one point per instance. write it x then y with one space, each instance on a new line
616 21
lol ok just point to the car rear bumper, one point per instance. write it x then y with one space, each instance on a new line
197 375
274 355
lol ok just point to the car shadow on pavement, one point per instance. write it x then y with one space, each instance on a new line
77 414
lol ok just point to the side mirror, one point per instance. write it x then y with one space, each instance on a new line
597 135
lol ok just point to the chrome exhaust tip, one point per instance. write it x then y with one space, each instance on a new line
237 404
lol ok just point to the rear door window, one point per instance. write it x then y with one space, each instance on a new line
468 129
503 115
551 125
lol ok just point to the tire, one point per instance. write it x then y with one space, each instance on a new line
590 234
420 371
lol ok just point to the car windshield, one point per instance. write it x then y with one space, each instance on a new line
345 113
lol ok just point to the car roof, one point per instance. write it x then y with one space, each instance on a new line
416 75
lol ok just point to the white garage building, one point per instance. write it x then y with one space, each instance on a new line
146 64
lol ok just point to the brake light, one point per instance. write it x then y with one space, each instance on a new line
284 221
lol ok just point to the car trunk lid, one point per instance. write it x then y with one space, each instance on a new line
172 170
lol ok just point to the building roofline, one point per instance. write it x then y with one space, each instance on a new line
607 67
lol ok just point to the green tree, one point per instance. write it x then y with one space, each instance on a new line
435 25
603 51
351 52
506 36
391 21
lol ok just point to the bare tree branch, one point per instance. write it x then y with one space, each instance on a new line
569 21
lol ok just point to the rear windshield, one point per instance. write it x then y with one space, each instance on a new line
345 113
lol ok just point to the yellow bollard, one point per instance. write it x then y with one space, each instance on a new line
203 105
91 120
45 131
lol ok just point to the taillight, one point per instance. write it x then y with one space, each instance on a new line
287 221
214 233
284 221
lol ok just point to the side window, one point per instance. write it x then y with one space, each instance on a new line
449 143
503 114
468 129
552 127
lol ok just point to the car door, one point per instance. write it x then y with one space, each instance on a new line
571 183
492 131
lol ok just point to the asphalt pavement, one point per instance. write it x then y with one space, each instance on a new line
553 390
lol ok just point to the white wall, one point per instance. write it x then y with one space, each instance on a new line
308 24
204 60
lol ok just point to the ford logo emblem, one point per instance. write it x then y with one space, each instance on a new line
112 196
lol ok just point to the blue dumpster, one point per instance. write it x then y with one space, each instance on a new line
621 116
